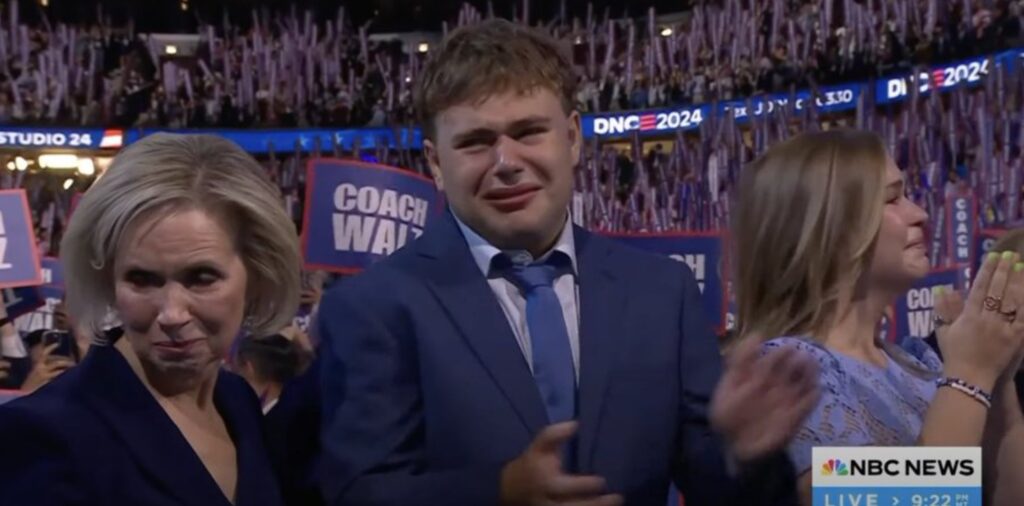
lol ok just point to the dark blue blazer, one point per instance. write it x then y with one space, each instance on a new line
427 394
293 439
96 436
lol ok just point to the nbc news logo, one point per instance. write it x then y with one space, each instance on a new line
895 476
834 467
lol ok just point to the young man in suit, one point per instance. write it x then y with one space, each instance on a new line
507 357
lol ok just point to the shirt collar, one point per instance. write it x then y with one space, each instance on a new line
484 252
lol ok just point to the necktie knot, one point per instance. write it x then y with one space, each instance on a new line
528 275
533 276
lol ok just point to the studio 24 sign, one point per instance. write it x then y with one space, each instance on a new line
53 138
704 253
358 213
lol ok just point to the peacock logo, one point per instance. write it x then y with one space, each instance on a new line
834 467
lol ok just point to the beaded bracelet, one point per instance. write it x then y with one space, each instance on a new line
968 389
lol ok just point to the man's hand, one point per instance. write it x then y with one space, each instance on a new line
536 478
761 401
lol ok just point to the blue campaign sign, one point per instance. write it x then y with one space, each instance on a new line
19 257
71 138
53 279
704 253
961 217
357 213
984 241
913 311
39 305
22 301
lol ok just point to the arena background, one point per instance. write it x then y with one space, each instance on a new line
677 97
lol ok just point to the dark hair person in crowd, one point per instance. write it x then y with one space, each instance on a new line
183 239
267 364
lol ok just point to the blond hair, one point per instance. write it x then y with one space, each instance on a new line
808 214
478 61
163 172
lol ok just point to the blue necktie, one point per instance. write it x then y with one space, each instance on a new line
553 368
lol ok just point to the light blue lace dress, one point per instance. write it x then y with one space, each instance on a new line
863 404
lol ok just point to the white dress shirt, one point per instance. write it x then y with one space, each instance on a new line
512 301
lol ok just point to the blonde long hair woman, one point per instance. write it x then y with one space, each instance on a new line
825 240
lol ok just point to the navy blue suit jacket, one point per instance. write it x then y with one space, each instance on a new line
96 436
293 439
427 394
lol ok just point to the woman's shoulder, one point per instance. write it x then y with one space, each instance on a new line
831 369
802 344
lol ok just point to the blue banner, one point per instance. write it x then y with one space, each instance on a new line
886 496
828 99
947 77
22 301
283 141
357 213
49 294
703 253
19 257
913 311
53 279
656 121
961 220
984 241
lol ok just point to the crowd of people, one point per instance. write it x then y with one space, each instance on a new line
292 71
507 357
401 400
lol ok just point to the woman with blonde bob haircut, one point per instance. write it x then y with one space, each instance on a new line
185 241
825 241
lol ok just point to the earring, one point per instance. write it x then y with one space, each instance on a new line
247 324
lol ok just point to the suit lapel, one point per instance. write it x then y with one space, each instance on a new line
464 294
120 399
602 302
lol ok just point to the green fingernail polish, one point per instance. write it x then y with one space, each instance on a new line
993 256
939 290
1019 266
1007 255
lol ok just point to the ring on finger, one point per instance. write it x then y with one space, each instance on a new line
1009 316
992 303
939 322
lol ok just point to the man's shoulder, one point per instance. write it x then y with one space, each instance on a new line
639 264
385 282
